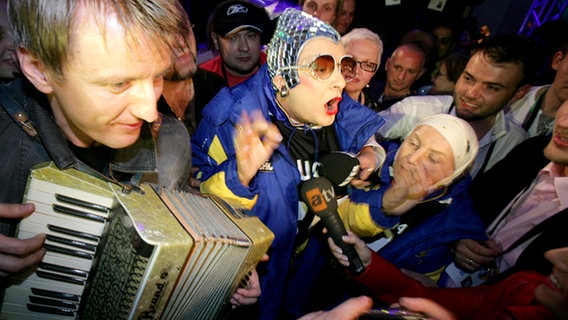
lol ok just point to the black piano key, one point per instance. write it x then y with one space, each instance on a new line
60 277
71 242
62 269
69 252
72 232
77 213
55 294
81 203
54 303
51 310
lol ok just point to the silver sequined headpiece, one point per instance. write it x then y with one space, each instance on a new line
293 29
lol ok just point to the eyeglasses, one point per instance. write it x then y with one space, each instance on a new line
322 67
367 65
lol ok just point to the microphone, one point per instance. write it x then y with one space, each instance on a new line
339 167
319 195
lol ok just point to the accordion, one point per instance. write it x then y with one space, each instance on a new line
140 255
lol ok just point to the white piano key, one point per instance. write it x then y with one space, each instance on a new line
74 192
44 215
33 281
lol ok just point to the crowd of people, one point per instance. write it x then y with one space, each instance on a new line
448 168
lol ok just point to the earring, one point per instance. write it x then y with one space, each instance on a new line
284 90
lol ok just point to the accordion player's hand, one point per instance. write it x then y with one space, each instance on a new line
18 254
248 293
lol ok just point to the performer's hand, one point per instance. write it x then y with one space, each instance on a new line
193 182
17 254
255 141
351 309
249 294
368 161
470 255
428 307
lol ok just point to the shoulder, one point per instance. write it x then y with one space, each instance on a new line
212 64
230 102
509 128
421 105
527 101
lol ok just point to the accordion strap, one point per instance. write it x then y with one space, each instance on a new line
16 112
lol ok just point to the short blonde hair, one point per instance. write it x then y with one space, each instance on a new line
364 34
46 28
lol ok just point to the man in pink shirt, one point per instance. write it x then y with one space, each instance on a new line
238 31
524 196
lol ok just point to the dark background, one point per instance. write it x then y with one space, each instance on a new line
391 22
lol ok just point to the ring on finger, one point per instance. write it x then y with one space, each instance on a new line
470 263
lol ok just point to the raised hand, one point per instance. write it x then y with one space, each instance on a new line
255 140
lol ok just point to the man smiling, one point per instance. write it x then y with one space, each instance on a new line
497 73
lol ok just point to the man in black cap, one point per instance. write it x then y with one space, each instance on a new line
239 28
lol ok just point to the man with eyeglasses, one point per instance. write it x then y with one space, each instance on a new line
260 141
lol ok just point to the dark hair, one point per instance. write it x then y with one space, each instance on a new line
549 38
510 48
455 64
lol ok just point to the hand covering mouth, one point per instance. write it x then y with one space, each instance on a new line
332 106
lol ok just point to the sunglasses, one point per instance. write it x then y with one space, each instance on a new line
367 66
322 67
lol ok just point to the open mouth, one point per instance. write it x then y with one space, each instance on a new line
553 283
561 141
332 106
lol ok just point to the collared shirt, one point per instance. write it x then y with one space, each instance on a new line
521 111
216 65
547 195
403 116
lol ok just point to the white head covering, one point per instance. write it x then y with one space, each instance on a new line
462 140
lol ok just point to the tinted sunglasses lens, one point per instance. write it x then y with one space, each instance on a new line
348 65
323 66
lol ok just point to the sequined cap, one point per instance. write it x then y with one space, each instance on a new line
293 29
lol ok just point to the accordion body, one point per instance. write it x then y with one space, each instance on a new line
154 254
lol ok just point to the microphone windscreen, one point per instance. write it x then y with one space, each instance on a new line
339 167
319 195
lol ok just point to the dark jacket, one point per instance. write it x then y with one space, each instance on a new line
492 191
169 155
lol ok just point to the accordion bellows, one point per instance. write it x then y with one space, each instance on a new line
138 255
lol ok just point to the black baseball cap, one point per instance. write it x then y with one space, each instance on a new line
233 16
